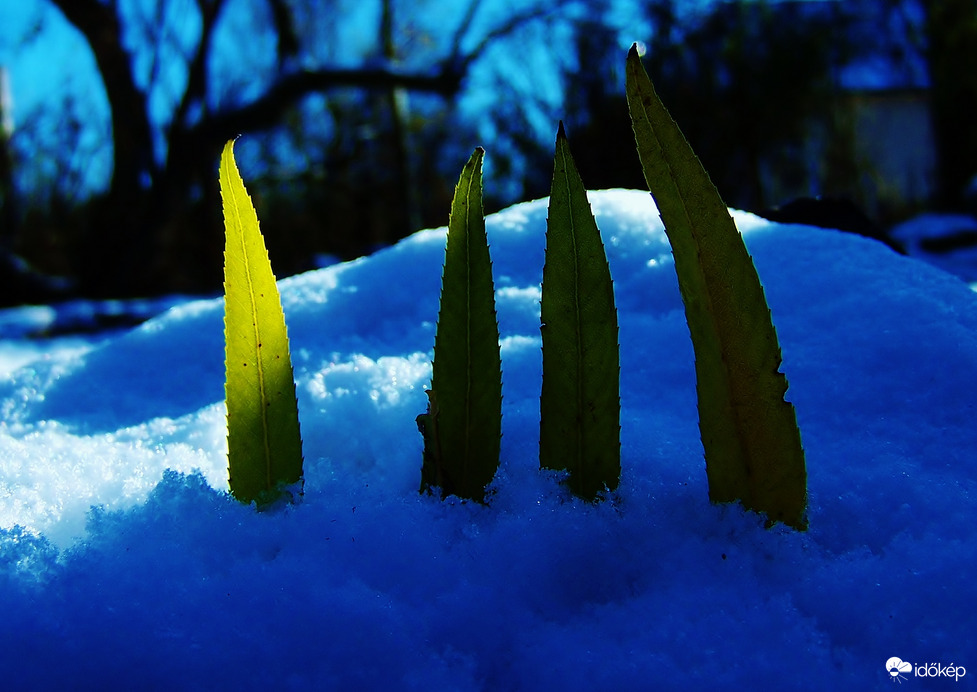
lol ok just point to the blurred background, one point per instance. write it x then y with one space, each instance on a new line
356 117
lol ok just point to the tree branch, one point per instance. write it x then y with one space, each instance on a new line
265 111
196 90
288 40
463 27
461 63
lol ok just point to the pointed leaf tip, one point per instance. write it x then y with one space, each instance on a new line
264 446
462 428
579 402
749 431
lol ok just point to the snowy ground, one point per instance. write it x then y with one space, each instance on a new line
124 564
948 241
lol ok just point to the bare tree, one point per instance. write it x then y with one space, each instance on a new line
149 186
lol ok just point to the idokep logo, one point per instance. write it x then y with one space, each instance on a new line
899 669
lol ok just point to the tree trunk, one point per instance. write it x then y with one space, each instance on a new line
951 32
129 246
8 215
117 247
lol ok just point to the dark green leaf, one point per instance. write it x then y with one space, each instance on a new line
580 405
749 432
463 425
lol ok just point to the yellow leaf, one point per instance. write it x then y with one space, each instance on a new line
264 446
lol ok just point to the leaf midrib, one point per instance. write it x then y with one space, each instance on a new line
470 375
577 324
256 331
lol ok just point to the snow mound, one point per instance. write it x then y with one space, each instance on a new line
124 562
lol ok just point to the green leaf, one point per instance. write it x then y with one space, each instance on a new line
749 432
264 446
463 425
580 404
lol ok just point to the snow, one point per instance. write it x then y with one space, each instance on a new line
948 241
124 563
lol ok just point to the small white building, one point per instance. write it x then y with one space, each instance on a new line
893 147
879 148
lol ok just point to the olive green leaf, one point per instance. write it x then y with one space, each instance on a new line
264 446
462 428
749 432
580 404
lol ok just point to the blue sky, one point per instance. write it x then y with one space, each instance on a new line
52 73
51 70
